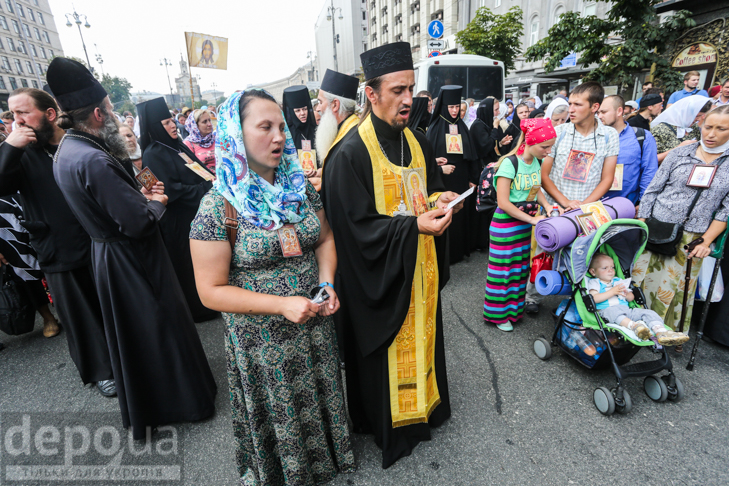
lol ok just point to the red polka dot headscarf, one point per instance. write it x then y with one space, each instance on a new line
536 130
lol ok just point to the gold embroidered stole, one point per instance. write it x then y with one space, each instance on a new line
347 125
411 356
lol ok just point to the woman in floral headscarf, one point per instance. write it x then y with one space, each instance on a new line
518 181
199 126
287 402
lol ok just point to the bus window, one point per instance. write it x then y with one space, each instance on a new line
439 76
485 81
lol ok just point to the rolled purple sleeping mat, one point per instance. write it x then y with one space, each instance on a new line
560 231
550 282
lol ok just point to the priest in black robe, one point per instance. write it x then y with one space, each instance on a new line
386 259
161 152
162 374
62 245
450 138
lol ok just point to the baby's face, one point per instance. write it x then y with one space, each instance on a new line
604 269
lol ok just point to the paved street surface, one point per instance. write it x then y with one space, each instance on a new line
516 419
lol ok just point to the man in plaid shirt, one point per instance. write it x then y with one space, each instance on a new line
581 166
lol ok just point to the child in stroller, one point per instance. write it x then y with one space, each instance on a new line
612 297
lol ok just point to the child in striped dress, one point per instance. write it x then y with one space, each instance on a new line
518 190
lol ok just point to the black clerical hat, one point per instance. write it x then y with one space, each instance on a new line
297 97
340 84
153 111
386 59
650 100
73 85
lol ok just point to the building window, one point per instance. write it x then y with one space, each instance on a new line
9 5
2 83
18 66
35 2
11 44
35 83
13 82
40 19
34 50
497 3
20 10
4 23
557 14
24 82
39 68
43 53
37 33
21 47
1 45
26 29
16 27
29 66
590 9
50 53
6 63
534 32
30 14
45 37
481 3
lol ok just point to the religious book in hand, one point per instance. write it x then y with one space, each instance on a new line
147 178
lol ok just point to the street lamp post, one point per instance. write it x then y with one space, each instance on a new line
99 60
165 62
310 55
215 94
330 16
77 19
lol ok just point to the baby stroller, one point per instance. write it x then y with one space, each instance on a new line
582 333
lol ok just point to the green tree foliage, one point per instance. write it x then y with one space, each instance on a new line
627 40
125 105
494 36
220 100
117 88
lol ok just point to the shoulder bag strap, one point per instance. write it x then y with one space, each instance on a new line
231 224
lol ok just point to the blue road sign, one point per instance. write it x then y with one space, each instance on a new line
435 29
569 61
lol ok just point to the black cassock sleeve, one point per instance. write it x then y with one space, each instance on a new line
11 169
109 184
377 253
485 141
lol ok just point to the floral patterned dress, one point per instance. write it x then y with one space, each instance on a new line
289 421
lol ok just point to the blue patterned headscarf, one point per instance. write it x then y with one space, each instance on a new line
267 206
194 133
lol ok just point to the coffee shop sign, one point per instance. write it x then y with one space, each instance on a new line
696 54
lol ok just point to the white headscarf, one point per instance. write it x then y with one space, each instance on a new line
554 104
502 111
537 102
682 114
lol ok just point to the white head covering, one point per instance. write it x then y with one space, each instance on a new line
633 104
537 102
554 104
682 114
502 111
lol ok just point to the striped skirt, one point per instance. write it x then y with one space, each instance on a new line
508 270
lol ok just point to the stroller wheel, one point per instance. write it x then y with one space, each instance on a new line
676 393
604 400
655 388
627 403
542 349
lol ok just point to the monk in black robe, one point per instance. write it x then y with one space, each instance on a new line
161 150
449 136
62 245
387 258
161 372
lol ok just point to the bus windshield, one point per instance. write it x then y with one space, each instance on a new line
478 81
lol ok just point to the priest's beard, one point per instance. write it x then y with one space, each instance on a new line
326 133
113 139
44 133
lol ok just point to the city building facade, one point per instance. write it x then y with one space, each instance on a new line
300 76
348 34
28 41
182 87
407 21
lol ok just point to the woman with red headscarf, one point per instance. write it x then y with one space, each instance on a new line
518 181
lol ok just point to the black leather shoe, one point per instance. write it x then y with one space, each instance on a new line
531 308
107 387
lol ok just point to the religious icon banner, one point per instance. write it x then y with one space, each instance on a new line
206 51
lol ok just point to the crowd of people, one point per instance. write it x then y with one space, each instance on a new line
324 232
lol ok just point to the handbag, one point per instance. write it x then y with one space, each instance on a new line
663 238
17 315
540 262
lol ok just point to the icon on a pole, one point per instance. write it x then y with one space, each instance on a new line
434 54
435 29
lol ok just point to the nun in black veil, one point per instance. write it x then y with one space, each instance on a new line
295 99
449 136
162 152
419 116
